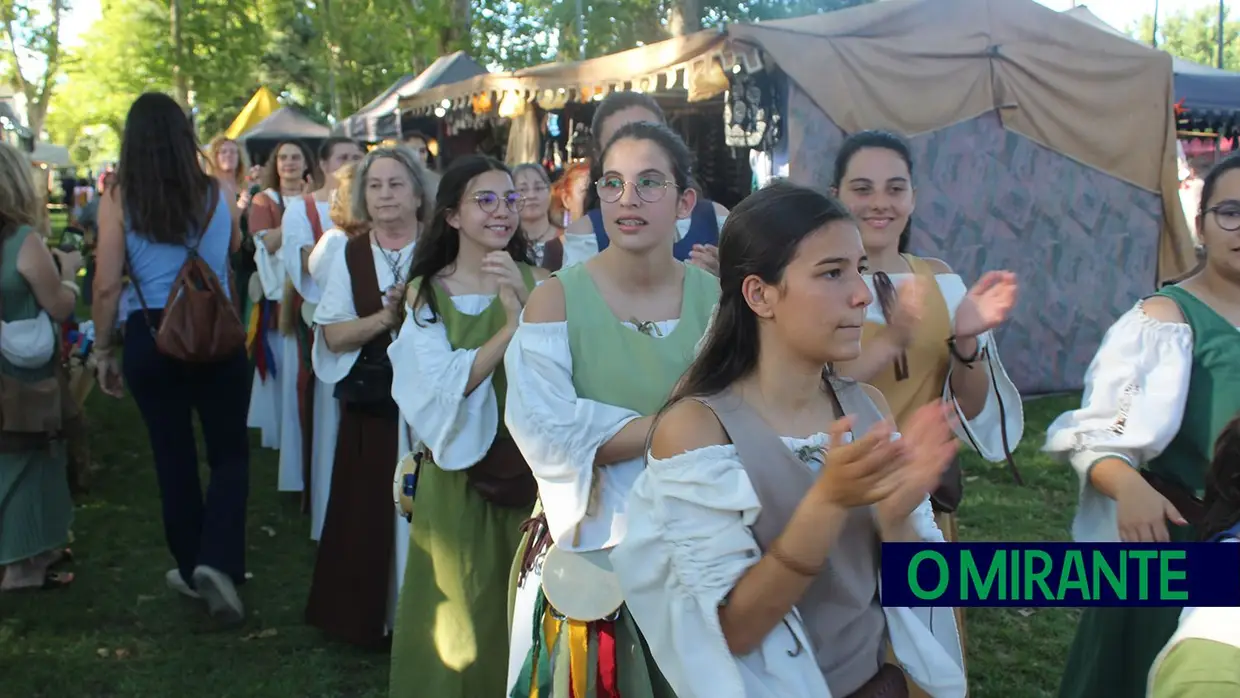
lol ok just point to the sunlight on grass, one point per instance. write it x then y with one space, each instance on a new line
118 632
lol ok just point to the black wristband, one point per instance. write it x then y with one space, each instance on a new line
969 360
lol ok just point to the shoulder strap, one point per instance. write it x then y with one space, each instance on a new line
527 275
312 213
758 446
213 202
600 230
854 402
553 254
365 281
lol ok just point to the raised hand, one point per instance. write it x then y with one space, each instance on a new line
859 473
987 304
503 269
927 446
909 309
705 257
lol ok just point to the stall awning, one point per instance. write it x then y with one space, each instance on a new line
694 63
380 119
1201 92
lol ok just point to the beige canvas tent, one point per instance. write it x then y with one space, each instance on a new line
1042 144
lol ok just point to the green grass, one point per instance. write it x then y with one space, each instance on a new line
118 633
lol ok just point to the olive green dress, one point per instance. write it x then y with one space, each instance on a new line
1115 647
451 636
36 508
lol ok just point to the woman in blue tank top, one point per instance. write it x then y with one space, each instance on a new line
698 235
163 205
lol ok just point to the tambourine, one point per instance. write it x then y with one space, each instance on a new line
581 585
405 482
255 289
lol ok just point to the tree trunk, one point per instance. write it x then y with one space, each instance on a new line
178 54
686 17
38 92
332 92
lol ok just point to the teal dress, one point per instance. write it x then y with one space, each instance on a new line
1114 648
36 509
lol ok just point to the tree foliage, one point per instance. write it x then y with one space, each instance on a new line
334 56
30 32
1193 35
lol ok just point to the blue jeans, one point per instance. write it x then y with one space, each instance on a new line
199 531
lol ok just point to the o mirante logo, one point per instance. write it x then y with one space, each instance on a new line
1060 574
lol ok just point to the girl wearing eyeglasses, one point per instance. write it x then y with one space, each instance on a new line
599 349
470 279
1158 393
696 235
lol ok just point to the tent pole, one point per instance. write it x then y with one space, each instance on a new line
1222 16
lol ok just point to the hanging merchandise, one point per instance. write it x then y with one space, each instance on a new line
750 112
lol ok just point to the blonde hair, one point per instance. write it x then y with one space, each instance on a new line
341 204
417 173
19 199
213 154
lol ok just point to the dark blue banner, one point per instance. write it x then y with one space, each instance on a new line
1060 574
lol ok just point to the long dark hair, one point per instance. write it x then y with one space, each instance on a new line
1222 496
760 238
612 103
440 243
271 170
884 140
164 186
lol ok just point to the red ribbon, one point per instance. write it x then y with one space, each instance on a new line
608 679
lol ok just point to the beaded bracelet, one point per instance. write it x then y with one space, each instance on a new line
967 361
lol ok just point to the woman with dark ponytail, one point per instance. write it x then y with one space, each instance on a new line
752 558
1202 659
932 338
470 279
1158 394
697 235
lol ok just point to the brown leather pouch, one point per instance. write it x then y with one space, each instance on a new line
31 407
889 682
503 477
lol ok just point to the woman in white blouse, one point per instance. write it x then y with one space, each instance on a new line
288 172
744 561
351 594
303 224
469 281
1157 395
597 353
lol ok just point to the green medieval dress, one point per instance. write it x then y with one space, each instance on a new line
451 637
1115 647
613 364
36 509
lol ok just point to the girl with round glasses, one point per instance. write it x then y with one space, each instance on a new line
470 279
697 234
598 350
1159 391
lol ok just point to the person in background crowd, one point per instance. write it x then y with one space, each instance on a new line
226 162
273 405
932 339
36 508
546 247
164 204
752 561
698 234
89 221
303 224
599 348
355 319
568 195
1158 394
469 280
1202 658
420 144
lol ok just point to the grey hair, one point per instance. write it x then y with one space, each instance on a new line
417 173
